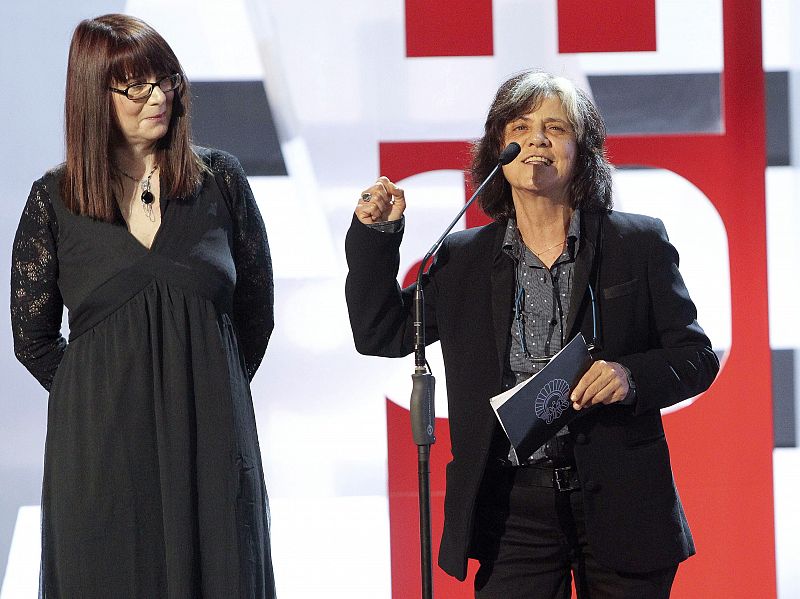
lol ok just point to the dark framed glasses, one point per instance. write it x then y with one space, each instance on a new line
142 91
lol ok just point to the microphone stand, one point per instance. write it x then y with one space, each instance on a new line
423 417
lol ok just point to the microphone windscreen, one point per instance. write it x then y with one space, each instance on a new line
508 154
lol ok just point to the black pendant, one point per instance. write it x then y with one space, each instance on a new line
147 198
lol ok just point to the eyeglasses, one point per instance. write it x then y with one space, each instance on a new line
142 91
519 317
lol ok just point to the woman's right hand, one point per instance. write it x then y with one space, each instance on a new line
380 203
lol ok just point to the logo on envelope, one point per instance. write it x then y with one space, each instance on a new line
552 400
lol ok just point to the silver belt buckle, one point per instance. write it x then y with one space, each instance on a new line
561 479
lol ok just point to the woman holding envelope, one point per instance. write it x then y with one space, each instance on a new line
597 501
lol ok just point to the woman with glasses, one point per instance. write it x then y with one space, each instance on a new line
597 501
153 485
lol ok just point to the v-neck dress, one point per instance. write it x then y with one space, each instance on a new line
153 485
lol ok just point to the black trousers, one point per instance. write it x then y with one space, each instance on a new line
531 542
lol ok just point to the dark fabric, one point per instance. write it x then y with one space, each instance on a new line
533 545
153 485
634 519
389 226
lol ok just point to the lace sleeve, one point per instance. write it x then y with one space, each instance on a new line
36 304
253 298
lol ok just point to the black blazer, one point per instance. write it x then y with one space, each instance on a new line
634 518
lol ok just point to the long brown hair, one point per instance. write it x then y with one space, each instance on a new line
117 48
590 188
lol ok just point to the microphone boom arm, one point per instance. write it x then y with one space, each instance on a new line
510 152
423 417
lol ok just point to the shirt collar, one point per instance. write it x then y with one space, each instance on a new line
512 242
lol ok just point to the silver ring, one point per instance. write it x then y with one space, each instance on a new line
365 197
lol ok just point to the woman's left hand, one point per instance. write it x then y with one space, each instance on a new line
604 382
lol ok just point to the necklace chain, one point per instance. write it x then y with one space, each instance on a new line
539 253
145 182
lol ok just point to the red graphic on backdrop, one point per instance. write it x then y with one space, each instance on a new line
606 26
449 28
721 445
464 27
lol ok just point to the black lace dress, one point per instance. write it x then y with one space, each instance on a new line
153 485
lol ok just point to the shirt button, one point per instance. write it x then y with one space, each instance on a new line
554 322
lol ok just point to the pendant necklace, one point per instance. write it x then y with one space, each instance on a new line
147 196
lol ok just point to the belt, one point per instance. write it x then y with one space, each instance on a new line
561 479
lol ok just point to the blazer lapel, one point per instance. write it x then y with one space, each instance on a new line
583 267
502 295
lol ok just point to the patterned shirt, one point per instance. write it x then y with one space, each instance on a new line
541 311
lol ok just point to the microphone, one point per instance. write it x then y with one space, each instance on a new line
423 388
508 154
422 405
